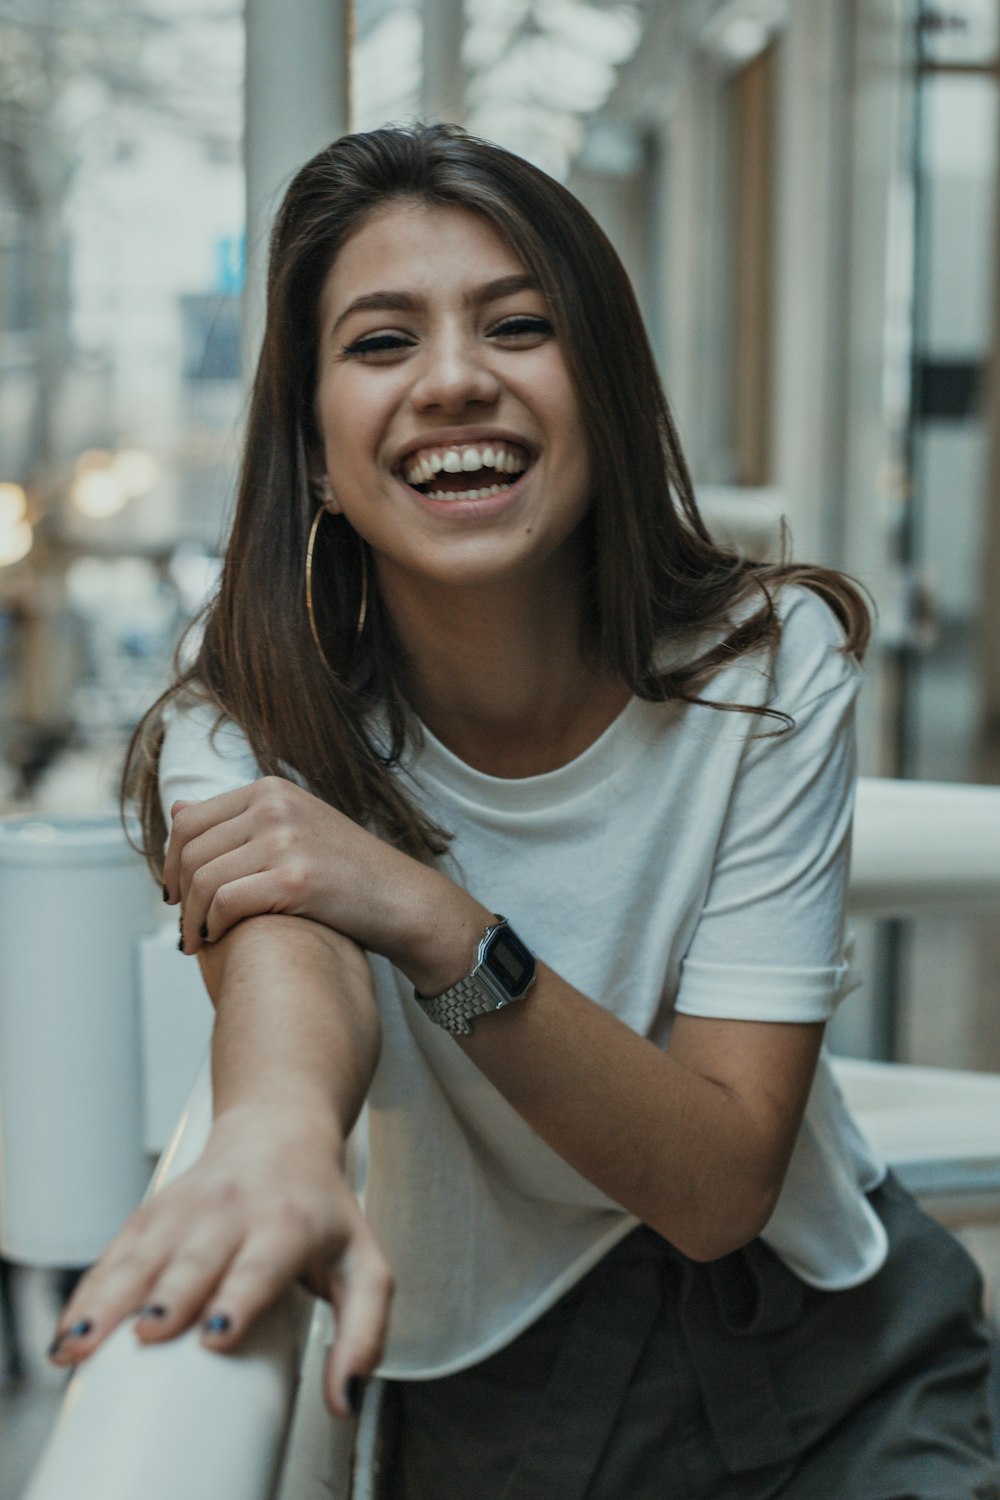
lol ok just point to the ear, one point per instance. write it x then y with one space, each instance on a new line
322 488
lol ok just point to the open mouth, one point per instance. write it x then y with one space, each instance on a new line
474 471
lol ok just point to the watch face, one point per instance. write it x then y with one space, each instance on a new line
510 962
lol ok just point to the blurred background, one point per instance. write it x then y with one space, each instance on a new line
805 193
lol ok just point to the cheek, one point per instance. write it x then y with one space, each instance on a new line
353 416
341 433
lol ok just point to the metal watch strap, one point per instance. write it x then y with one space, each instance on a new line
464 1000
475 995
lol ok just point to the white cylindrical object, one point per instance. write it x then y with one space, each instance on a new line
177 1421
296 94
922 846
74 898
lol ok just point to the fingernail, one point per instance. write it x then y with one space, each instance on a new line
79 1330
218 1323
154 1310
166 894
203 932
55 1345
354 1390
180 943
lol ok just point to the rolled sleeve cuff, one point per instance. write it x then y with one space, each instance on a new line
742 992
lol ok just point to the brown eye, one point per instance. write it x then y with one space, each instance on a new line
378 343
522 326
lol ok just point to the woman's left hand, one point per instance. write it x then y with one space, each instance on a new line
272 847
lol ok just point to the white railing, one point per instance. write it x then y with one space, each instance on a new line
176 1422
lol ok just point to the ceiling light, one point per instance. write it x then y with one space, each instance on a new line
13 504
15 541
743 39
137 470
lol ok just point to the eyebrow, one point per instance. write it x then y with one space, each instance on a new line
389 301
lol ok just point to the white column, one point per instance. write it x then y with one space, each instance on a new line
696 292
297 100
877 247
443 83
810 281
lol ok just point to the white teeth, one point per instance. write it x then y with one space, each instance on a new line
481 494
468 460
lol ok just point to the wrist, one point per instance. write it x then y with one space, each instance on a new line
308 1117
447 926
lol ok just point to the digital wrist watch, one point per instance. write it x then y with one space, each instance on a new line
504 971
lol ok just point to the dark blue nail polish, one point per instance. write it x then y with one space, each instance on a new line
55 1345
180 943
79 1330
154 1310
218 1323
166 894
203 932
354 1390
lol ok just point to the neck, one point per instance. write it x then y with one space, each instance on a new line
496 672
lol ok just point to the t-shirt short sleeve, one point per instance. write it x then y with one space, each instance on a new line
202 756
769 944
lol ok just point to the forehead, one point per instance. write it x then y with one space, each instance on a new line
417 247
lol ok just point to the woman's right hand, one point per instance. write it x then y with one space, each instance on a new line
266 1204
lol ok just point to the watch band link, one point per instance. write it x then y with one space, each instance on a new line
463 1000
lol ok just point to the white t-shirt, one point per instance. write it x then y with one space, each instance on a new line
688 860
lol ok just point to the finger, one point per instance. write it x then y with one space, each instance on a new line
171 890
112 1289
217 872
267 1264
179 1295
249 894
361 1291
188 820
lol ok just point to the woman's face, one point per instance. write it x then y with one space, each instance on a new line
451 430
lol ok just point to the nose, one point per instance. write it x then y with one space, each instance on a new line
454 374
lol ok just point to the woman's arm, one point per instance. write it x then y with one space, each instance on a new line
694 1141
295 1046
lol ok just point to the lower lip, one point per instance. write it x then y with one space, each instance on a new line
484 509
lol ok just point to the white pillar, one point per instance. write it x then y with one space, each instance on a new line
811 270
697 271
442 94
74 897
297 100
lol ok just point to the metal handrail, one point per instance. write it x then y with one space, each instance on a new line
924 846
176 1422
222 1421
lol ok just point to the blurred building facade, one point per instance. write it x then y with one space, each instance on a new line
804 192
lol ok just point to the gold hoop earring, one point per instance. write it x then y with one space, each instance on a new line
310 611
363 607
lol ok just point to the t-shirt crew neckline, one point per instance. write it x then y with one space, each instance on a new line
591 768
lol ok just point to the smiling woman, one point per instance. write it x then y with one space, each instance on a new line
474 650
455 369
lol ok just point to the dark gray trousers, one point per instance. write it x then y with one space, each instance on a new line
660 1379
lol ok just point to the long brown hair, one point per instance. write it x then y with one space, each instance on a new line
652 572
